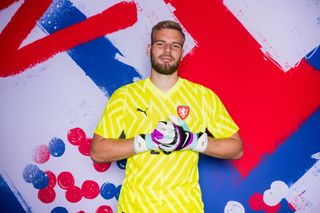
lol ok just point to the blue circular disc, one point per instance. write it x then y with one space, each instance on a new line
108 190
41 180
118 189
30 172
122 163
59 209
56 147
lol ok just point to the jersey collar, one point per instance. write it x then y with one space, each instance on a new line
157 91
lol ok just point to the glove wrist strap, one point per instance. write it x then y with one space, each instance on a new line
202 142
139 144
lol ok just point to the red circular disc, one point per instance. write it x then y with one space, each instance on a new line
90 189
84 147
101 167
40 154
52 179
76 136
46 195
74 194
256 201
104 209
65 180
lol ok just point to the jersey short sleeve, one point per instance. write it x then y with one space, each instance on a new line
220 123
111 124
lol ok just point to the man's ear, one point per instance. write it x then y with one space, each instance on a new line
149 50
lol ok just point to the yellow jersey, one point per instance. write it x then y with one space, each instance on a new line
156 181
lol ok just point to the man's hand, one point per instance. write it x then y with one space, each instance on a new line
145 142
178 137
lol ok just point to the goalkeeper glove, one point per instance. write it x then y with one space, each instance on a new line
178 137
145 142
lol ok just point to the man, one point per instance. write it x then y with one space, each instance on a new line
163 120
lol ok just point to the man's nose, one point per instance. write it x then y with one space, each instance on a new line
167 48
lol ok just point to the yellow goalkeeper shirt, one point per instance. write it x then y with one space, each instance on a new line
158 181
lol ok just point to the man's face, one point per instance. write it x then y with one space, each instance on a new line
166 51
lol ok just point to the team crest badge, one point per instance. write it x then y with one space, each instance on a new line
183 111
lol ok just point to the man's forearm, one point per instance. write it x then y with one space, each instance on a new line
225 148
104 150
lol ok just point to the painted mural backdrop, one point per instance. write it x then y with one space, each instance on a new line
61 60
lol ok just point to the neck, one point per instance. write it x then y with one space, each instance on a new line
163 82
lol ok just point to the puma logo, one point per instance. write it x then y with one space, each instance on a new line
143 111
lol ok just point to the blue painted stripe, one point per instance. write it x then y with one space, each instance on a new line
97 57
220 182
313 57
10 198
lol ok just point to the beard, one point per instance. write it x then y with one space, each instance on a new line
164 69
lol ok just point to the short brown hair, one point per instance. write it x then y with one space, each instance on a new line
167 24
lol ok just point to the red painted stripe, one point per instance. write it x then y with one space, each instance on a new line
6 3
21 25
267 103
110 20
